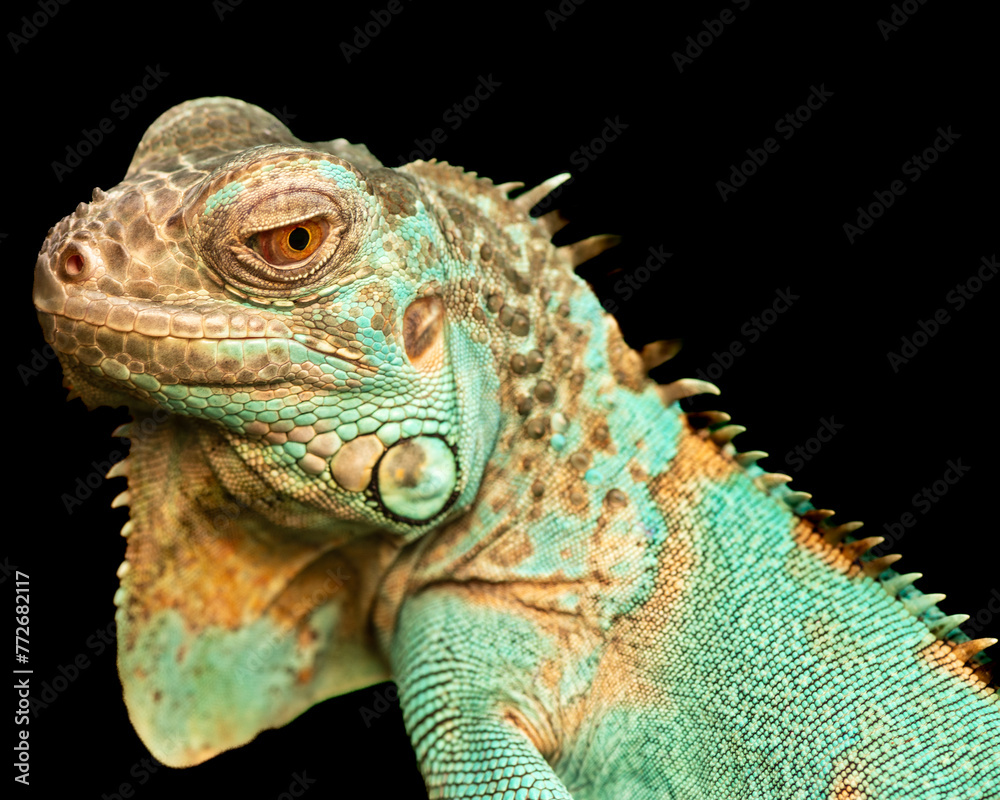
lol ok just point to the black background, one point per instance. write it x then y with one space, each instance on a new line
558 80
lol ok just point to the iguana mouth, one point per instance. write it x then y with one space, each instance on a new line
199 350
206 319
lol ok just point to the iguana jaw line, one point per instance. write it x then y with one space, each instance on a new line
349 356
325 353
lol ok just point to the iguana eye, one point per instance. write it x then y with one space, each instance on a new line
290 245
276 233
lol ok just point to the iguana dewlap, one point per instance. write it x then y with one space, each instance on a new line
382 430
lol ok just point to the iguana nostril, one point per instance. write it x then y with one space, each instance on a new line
73 267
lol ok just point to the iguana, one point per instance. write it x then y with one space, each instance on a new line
382 430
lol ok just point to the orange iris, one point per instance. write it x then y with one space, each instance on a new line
291 244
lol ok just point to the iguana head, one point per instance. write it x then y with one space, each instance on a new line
313 344
295 295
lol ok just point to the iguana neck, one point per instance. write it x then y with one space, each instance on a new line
579 438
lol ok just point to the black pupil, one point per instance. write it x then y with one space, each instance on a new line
298 239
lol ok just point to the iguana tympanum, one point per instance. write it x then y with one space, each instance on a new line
382 430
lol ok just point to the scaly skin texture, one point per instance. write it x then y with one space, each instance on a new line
381 430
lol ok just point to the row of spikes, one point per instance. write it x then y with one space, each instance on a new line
552 221
716 426
121 469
